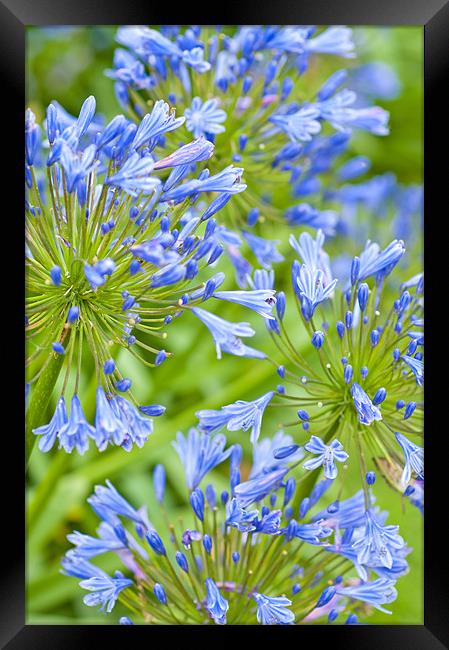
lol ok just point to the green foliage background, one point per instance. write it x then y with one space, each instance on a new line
67 64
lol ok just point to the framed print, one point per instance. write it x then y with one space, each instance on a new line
225 408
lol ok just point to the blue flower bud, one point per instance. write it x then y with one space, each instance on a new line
56 275
160 357
362 296
400 404
152 410
211 496
318 339
340 328
197 503
125 620
348 319
58 347
419 356
281 371
155 542
284 452
235 557
333 614
412 347
348 373
288 512
326 596
123 385
280 304
352 618
289 490
296 588
280 389
379 397
247 83
364 372
224 497
409 410
159 482
396 354
287 87
160 594
374 336
109 367
252 217
182 561
409 490
303 415
355 270
207 543
304 507
370 478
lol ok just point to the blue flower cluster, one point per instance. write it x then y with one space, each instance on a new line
246 548
115 251
364 389
245 92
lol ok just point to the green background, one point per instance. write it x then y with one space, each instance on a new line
67 64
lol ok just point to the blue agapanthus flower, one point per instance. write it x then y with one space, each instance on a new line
119 242
241 415
233 548
203 118
199 453
273 611
360 380
326 455
414 459
244 92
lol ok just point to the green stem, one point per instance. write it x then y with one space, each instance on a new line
40 397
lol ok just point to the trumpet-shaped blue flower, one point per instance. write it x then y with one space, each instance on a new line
376 593
366 410
105 590
75 433
240 415
239 518
263 249
326 456
416 366
226 335
273 610
378 542
161 120
199 453
216 605
414 459
259 487
375 262
259 300
204 117
196 151
301 125
50 431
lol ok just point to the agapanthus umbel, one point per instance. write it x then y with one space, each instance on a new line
246 90
245 555
357 390
114 253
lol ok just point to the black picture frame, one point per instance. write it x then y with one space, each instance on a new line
433 15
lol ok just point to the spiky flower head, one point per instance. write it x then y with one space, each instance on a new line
244 558
357 390
116 249
247 92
